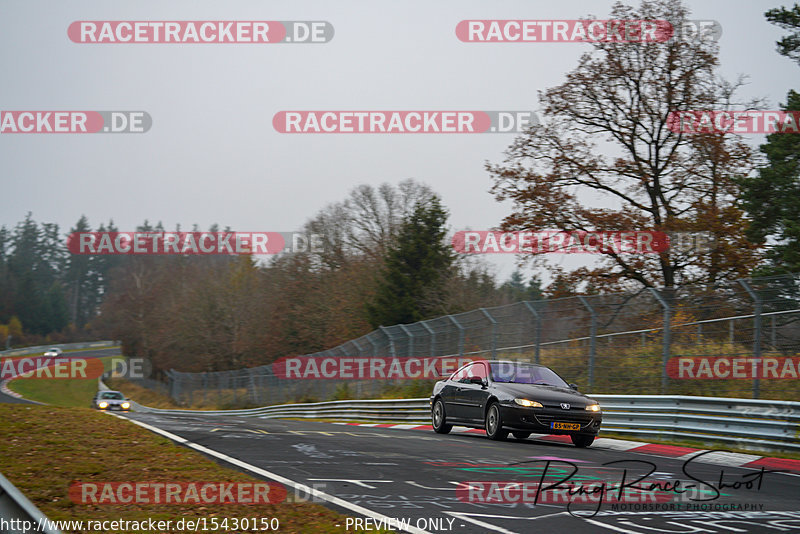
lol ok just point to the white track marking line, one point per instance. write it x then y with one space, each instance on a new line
612 527
274 476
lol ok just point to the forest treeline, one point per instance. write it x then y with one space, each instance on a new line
385 259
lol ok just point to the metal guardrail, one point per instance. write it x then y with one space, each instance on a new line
743 423
17 511
62 346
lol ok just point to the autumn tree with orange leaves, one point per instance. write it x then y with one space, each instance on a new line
604 159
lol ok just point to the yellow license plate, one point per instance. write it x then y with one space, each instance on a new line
565 426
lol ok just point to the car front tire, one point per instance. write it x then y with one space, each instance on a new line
439 418
521 435
494 423
582 440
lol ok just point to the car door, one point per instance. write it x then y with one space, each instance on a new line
472 397
453 393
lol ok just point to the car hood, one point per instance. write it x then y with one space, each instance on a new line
544 394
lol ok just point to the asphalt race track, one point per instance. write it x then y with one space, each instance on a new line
413 475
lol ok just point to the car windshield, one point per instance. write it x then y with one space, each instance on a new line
116 395
521 373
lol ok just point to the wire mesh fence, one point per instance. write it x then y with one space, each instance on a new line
735 340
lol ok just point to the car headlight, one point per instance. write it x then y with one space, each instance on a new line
528 403
103 404
593 407
126 405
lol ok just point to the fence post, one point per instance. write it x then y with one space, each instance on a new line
494 332
433 336
174 385
460 335
538 318
386 333
757 330
666 338
774 334
730 330
410 336
358 382
592 339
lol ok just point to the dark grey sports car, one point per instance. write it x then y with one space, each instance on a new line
516 397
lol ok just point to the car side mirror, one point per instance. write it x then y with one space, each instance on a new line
574 386
476 380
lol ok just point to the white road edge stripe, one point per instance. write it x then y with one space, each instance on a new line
278 478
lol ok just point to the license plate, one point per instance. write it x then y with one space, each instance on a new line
565 426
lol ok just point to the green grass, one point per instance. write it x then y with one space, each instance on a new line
58 392
45 449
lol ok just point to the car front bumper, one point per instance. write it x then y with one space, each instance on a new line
115 408
539 420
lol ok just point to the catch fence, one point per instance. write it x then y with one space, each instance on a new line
625 343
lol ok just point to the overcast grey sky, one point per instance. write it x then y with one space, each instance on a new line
212 155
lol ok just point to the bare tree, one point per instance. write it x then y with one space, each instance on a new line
605 158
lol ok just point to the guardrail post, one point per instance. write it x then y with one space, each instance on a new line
592 338
494 332
538 319
758 305
410 336
433 336
666 338
460 335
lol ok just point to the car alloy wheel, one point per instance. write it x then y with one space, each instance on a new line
439 417
494 424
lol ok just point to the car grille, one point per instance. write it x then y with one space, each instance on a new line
565 416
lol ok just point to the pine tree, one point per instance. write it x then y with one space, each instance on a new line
772 198
411 287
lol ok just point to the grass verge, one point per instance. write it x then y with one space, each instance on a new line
59 392
45 449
